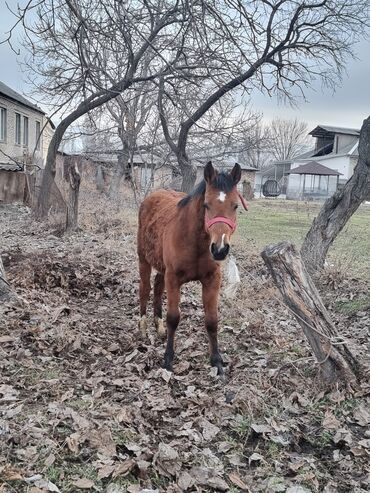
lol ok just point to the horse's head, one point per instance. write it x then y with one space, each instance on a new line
221 201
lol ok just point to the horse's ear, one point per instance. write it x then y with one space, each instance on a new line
209 172
236 173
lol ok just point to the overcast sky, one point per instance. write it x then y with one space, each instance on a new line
347 107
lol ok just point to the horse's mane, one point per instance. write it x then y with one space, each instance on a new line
223 182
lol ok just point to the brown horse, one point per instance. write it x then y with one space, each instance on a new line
184 238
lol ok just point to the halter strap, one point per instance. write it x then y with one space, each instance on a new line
243 201
220 219
225 220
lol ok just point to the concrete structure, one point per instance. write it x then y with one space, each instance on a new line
312 181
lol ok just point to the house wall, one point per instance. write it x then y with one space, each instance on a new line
342 164
342 141
20 152
46 137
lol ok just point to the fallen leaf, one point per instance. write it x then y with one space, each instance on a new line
46 485
73 442
67 395
185 481
297 489
330 422
255 457
209 431
102 440
105 471
8 393
10 473
261 428
165 374
123 468
236 479
83 484
4 339
343 435
361 416
166 452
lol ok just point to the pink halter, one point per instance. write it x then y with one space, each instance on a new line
225 220
220 219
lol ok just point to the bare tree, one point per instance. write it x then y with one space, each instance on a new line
274 47
286 138
73 48
130 115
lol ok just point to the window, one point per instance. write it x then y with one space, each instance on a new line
2 124
25 131
18 128
38 135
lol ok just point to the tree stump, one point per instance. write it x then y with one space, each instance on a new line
304 301
72 206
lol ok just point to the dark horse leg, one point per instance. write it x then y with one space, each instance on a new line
211 288
173 317
145 271
157 304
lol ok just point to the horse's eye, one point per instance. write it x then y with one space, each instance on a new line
206 206
235 206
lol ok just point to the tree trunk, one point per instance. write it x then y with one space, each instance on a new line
120 171
188 173
74 190
337 210
48 176
99 179
6 292
303 299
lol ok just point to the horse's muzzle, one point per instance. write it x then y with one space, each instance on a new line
219 253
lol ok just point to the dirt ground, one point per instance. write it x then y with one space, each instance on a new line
85 405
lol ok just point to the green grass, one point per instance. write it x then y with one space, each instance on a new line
271 221
353 306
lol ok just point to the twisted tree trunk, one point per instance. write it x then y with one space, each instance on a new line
74 190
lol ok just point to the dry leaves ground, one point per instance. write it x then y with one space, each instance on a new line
85 405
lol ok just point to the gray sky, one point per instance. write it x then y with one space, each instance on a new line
347 107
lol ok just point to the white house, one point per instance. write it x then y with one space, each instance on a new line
328 167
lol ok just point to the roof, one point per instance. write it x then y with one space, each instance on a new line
314 168
8 92
11 167
325 129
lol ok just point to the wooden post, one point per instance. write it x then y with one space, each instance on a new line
72 206
304 301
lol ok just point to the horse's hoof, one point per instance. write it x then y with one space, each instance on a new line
143 325
161 329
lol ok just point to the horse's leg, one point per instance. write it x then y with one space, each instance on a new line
210 292
157 302
145 271
173 316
